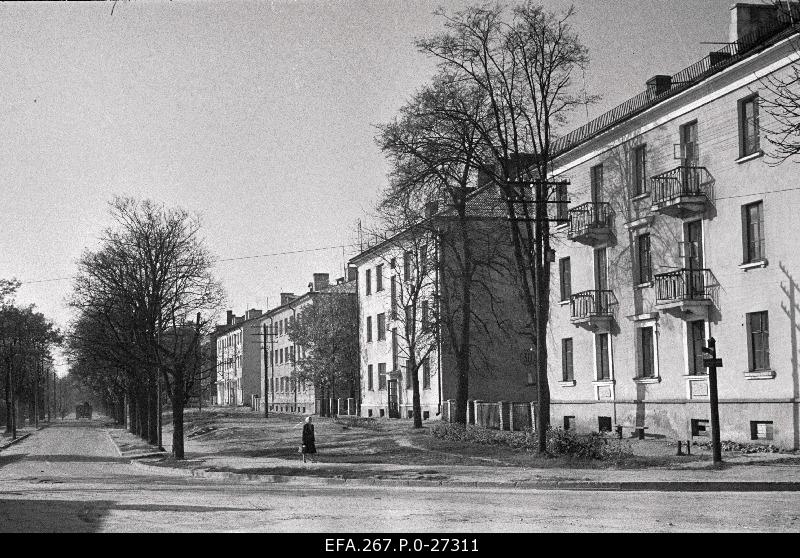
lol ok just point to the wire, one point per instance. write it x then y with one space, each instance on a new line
288 252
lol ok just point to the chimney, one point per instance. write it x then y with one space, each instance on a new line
321 281
252 313
286 298
352 273
229 321
657 85
431 208
718 57
751 18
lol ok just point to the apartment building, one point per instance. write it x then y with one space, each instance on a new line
279 386
679 230
403 281
237 360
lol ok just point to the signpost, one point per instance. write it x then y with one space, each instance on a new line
712 363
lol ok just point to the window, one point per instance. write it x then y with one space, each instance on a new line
280 354
761 430
640 170
569 423
603 365
697 340
379 278
369 329
381 327
565 275
370 385
596 180
407 265
758 340
748 126
567 371
369 412
368 281
426 373
280 327
408 374
753 229
395 363
644 262
562 208
382 375
425 316
393 294
646 356
604 424
700 427
423 257
426 415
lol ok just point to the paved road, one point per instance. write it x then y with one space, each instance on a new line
71 479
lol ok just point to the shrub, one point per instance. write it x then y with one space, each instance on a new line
559 442
357 422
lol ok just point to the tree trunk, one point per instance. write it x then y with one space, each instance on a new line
8 397
152 412
177 419
415 399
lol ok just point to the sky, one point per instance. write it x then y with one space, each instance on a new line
258 116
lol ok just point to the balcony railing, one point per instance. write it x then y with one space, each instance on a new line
591 304
685 285
681 182
587 218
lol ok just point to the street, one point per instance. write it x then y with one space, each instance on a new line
70 478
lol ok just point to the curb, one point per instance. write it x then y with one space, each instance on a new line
634 486
17 440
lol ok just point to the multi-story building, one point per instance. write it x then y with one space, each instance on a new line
679 230
403 280
237 358
285 394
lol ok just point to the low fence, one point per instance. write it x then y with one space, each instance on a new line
502 415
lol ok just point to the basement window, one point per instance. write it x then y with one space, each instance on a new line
761 430
604 424
569 423
383 413
700 427
369 412
426 415
410 414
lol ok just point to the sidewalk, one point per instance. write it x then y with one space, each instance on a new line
246 447
22 433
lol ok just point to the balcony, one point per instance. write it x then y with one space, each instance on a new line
590 223
687 292
592 310
682 192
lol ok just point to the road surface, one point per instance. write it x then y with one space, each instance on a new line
70 478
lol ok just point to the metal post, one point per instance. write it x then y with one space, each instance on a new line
266 378
712 362
199 370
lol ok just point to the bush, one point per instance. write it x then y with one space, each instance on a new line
559 442
357 422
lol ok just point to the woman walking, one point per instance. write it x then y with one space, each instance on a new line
308 439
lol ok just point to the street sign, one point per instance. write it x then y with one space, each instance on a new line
712 362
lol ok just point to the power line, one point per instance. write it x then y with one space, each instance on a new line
286 253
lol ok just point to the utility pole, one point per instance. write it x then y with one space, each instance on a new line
158 391
712 363
198 370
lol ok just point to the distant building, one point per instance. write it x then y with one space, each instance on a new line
390 295
237 356
284 392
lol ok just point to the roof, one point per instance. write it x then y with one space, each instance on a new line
745 47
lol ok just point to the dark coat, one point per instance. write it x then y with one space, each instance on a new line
308 439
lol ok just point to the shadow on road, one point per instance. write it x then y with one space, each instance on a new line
11 458
69 458
70 516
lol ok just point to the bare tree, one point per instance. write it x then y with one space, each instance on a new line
326 336
523 60
151 286
435 155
